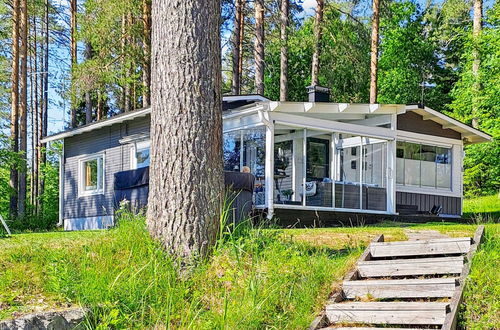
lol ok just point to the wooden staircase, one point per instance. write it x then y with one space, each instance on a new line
411 284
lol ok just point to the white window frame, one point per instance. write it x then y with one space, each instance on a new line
133 149
101 175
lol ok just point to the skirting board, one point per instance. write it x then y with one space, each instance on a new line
89 223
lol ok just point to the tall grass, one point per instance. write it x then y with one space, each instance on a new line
253 279
481 306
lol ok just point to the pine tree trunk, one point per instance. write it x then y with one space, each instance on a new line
74 59
23 108
146 44
240 46
14 117
374 51
44 109
259 47
284 51
35 123
238 24
318 32
88 96
476 32
186 181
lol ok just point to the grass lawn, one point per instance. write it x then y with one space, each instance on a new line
483 209
256 279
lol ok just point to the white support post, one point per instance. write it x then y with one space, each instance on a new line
61 187
270 169
304 167
241 150
361 172
391 168
391 176
333 165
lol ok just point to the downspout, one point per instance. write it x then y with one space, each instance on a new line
61 187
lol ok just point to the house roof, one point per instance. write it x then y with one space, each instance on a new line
470 134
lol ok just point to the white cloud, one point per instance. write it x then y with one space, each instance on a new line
309 7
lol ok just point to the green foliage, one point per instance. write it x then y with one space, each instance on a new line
482 162
483 209
344 60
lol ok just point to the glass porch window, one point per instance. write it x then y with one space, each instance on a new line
421 165
318 166
244 150
374 179
347 183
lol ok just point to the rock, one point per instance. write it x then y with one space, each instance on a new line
52 320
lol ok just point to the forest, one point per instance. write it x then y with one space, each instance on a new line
67 63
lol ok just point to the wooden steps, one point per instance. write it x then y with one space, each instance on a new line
438 246
407 267
421 284
380 289
401 313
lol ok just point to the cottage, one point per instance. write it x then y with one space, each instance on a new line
308 158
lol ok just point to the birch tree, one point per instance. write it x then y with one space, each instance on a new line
476 60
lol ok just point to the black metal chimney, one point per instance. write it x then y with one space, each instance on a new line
318 93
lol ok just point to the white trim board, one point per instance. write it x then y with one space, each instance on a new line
89 223
424 138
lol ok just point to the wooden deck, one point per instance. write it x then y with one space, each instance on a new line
420 283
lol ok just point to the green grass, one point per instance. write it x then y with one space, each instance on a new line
258 279
483 209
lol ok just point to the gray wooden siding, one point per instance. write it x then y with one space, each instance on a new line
425 202
117 158
413 122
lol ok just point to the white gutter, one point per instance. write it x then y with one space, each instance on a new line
61 187
90 127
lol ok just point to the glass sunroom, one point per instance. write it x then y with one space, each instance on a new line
315 156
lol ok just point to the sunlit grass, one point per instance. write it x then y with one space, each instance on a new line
256 278
483 209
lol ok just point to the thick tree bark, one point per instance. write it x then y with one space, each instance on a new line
23 107
476 32
186 126
146 44
318 32
374 51
259 47
284 51
14 115
74 59
237 48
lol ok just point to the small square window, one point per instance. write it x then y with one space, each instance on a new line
92 175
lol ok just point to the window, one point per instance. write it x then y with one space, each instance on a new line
423 165
140 155
91 175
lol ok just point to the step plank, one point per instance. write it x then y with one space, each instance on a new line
427 288
418 248
417 313
406 267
